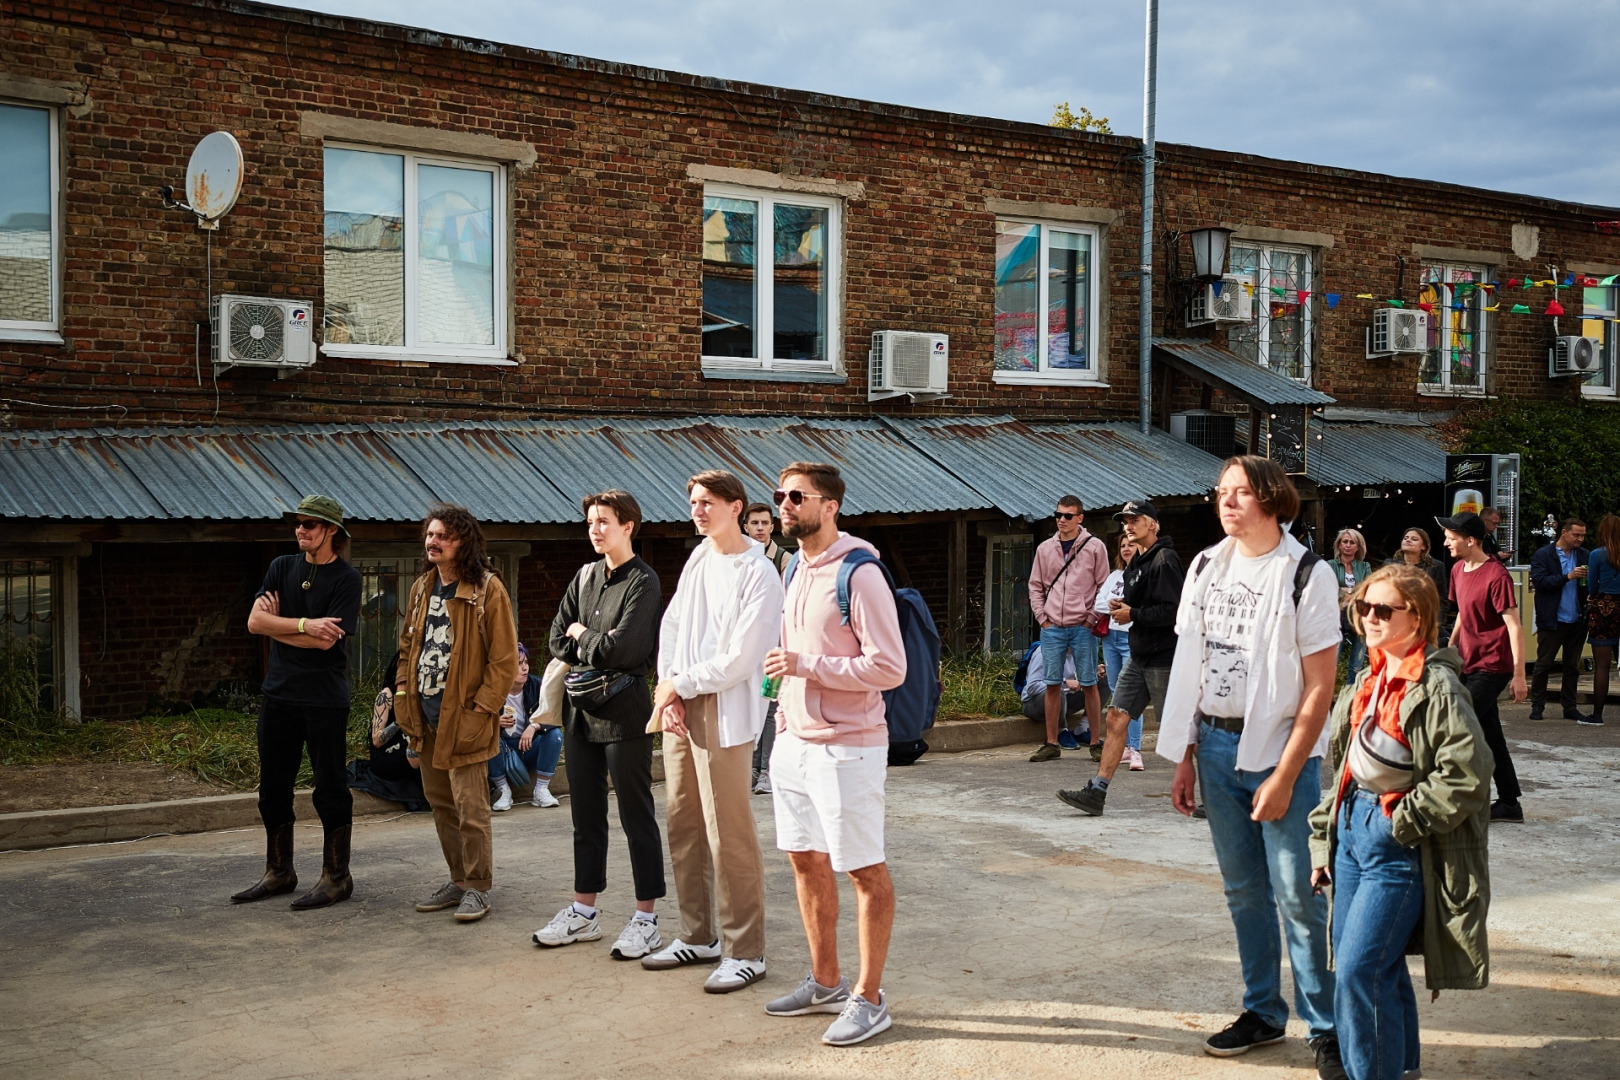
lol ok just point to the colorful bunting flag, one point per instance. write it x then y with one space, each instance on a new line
1610 280
1397 303
1520 309
1304 295
1513 283
1276 290
1425 306
1332 300
1364 296
1555 308
1494 307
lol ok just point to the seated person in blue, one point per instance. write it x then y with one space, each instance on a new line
538 746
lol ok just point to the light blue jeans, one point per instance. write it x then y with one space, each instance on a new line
1116 649
1266 868
1358 655
1057 642
540 759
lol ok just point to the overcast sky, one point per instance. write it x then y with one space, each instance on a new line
1521 97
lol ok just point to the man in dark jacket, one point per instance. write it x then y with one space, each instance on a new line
1152 593
1558 576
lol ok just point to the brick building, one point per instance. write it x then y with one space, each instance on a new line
529 274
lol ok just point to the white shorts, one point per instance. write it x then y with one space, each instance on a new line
829 798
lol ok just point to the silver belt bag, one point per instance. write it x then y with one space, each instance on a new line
1378 761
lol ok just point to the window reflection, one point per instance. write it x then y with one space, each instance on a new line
1068 284
729 229
455 263
365 248
799 283
26 233
1018 255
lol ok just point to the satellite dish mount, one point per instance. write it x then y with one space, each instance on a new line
213 180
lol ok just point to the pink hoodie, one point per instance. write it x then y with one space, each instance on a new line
837 695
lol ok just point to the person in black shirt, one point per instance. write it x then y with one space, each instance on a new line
308 606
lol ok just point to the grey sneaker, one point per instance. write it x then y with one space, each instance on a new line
448 896
762 783
474 906
638 938
734 974
812 997
567 927
679 953
1089 799
859 1021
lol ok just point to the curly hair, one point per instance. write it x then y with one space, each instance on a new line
473 563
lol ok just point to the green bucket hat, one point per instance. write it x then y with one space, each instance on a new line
323 507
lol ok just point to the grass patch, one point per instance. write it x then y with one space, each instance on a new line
974 684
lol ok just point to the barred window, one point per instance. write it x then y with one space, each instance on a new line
1278 333
30 669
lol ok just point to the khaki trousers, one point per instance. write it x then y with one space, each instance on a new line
713 845
460 801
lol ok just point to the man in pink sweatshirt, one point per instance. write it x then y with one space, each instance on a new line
832 747
1069 567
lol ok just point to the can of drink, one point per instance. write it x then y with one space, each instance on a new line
771 687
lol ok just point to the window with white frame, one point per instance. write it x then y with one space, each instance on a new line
777 313
1455 359
30 220
1046 302
415 257
1600 319
1278 333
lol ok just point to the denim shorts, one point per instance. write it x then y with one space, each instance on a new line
1059 641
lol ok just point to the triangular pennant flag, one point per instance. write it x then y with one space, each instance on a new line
1397 303
1248 290
1216 286
1486 285
1364 296
1425 306
1520 309
1555 308
1610 280
1587 282
1276 290
1332 300
1304 295
1459 307
1568 281
1513 283
1494 307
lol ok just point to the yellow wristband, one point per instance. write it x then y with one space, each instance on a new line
301 625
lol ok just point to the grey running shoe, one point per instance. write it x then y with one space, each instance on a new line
734 974
679 953
859 1021
638 938
812 997
474 906
448 896
1089 798
762 783
567 927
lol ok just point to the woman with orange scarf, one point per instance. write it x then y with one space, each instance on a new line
1410 809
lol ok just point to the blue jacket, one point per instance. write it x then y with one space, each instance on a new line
1548 581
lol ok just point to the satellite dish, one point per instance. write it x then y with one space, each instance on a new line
214 177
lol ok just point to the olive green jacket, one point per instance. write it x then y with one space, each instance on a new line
1445 816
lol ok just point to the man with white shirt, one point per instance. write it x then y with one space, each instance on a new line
725 615
1255 661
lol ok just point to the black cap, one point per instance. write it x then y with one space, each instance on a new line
1137 508
1467 523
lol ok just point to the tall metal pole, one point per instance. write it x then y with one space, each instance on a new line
1144 358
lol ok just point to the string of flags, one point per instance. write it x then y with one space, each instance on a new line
1459 292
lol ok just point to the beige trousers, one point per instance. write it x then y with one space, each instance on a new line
460 801
713 845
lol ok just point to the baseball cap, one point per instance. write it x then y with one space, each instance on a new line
1138 508
324 507
1467 523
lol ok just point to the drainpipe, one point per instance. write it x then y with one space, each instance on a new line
1144 359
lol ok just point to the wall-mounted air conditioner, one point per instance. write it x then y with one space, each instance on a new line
1397 330
259 331
903 362
1230 301
1212 432
1574 355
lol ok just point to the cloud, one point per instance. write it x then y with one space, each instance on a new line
1510 96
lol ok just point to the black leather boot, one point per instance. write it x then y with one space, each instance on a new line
335 885
278 867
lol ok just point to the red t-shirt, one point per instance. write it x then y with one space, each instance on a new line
1481 633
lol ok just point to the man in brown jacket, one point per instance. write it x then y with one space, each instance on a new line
458 657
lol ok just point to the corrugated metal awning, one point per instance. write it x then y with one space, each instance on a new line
1236 374
1357 454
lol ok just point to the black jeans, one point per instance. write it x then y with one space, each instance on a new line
284 730
629 762
1485 687
766 740
1571 637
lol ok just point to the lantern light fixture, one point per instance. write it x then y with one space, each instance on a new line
1209 248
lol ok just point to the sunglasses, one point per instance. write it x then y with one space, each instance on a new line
1383 612
795 497
1062 516
305 523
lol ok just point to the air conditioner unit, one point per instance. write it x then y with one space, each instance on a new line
258 331
1232 302
1397 330
1574 355
903 363
1212 432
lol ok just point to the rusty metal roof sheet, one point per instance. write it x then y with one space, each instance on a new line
205 475
472 465
57 476
352 464
1024 468
1375 454
1239 373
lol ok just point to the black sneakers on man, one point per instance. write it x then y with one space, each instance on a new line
1329 1066
1243 1035
1503 810
1089 798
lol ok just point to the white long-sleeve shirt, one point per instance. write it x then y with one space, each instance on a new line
725 616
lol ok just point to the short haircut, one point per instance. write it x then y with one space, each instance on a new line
622 503
1608 536
1354 534
1071 500
721 484
1416 588
758 508
826 479
1272 487
1490 511
1570 523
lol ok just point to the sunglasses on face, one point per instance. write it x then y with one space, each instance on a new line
795 497
1063 515
1380 612
307 524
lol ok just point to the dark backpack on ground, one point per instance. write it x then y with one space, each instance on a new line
1021 672
910 707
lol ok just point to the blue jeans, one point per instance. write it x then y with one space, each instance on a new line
1058 642
1358 655
1116 649
541 757
1377 901
1266 868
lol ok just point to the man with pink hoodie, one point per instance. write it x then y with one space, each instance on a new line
1069 568
832 747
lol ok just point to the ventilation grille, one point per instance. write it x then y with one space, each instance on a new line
256 332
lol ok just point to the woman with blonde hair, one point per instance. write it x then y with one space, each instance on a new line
1410 810
1350 566
1603 610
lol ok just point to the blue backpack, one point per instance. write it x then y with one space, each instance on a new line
912 705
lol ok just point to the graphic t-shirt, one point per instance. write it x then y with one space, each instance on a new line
1481 632
433 665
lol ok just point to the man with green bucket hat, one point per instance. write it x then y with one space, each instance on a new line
308 607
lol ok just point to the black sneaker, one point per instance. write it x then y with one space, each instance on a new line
1577 716
1595 720
1535 714
1502 810
1328 1064
1242 1035
1200 813
1089 798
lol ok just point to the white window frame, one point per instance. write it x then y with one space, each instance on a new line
48 331
437 352
1444 315
1045 376
764 278
1261 300
1610 317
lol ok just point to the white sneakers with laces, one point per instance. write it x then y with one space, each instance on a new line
567 927
638 938
543 796
734 974
503 796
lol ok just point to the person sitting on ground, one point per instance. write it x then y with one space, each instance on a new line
1034 692
1410 810
537 746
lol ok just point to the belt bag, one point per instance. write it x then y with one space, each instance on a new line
591 688
1378 761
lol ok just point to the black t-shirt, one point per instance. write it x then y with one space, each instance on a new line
312 676
433 665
